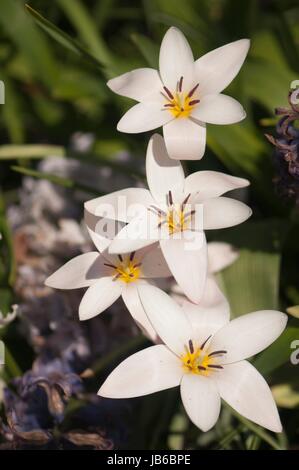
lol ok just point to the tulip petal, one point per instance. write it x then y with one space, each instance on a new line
98 297
207 184
81 271
148 371
220 256
141 85
154 264
201 400
249 334
187 260
167 318
245 390
132 301
211 314
144 117
100 242
216 69
163 174
185 139
218 109
176 60
123 205
139 233
223 212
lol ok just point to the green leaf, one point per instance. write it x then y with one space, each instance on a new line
12 152
30 42
65 182
252 282
81 19
294 311
286 395
63 38
148 49
278 353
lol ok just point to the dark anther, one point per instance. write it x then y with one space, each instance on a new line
191 92
191 103
168 105
137 265
191 348
180 84
132 255
205 342
168 92
214 366
217 352
201 368
186 200
170 198
110 265
120 258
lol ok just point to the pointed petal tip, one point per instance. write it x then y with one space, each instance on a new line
48 282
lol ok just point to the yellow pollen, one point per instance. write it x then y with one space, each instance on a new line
181 106
200 362
128 272
179 103
176 221
196 363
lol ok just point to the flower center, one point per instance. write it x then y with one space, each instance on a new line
200 362
180 104
177 218
127 270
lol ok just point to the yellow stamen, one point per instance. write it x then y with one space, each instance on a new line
180 106
128 271
199 362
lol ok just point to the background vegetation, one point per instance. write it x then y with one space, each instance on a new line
55 69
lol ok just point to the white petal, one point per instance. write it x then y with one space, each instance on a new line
140 232
207 184
187 260
176 60
154 264
185 139
167 317
144 117
218 109
81 271
140 85
100 242
131 298
163 174
218 68
121 205
98 297
249 334
220 256
145 372
201 400
222 212
245 390
211 314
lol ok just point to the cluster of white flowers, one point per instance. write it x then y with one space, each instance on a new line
142 235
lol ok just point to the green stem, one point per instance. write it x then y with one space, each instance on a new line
11 368
258 431
65 182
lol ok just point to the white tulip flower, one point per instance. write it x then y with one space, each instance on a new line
183 95
205 355
174 212
109 277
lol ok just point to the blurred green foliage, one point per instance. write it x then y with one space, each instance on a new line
55 60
